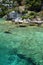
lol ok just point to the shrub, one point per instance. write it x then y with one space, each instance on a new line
24 17
24 12
32 14
33 5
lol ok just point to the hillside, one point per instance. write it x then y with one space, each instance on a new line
7 6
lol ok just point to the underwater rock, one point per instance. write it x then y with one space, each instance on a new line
30 60
7 31
13 51
21 56
22 25
11 59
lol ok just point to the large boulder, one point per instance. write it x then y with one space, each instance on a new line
13 15
18 20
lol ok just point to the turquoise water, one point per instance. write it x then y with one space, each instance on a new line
23 46
2 19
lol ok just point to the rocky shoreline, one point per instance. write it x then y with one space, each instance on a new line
14 17
23 24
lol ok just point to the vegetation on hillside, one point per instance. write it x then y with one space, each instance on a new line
33 5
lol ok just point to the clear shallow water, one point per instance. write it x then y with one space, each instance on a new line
24 46
2 20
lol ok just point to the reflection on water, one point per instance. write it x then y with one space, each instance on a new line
24 46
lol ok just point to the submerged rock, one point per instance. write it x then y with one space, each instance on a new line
13 51
21 56
7 31
22 25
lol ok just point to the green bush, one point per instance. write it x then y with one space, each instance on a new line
30 16
33 5
33 13
24 12
24 17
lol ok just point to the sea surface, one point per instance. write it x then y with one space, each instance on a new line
21 46
2 20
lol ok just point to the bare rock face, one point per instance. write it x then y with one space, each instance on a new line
13 15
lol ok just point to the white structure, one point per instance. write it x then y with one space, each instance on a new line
19 20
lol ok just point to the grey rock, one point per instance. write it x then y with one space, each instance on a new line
13 15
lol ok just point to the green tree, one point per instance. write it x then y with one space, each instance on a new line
3 1
33 4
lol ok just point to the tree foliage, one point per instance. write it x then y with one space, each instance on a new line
33 5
